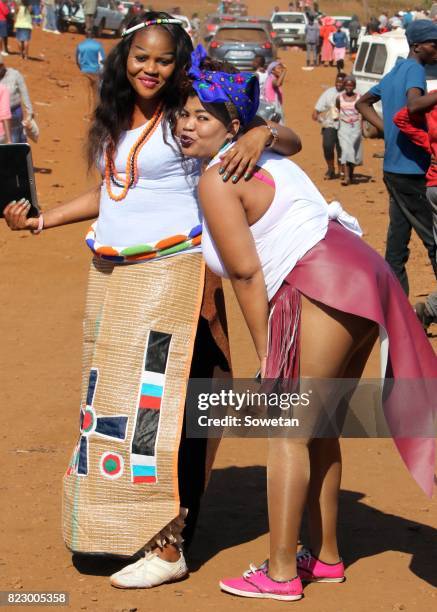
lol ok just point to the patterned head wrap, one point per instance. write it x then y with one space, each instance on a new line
240 89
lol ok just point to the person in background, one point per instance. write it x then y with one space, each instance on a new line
21 106
4 12
326 113
259 67
354 32
405 164
49 24
312 35
36 12
89 10
340 42
196 22
372 26
273 93
5 115
23 28
407 18
349 130
90 56
421 129
383 20
326 30
395 23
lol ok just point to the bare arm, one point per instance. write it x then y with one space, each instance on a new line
7 129
365 107
227 222
419 103
280 79
25 99
83 208
242 159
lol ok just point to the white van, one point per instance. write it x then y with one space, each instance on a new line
376 56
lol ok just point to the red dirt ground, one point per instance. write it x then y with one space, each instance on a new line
387 526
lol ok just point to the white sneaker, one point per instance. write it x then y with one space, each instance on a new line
4 53
148 572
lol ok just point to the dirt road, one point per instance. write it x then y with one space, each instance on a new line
387 526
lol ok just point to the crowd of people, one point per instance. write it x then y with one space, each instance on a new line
180 131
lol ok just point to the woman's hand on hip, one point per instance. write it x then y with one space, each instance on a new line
15 215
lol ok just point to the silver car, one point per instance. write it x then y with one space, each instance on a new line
239 43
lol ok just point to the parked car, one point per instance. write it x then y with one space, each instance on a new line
376 56
264 21
289 28
108 17
212 22
239 43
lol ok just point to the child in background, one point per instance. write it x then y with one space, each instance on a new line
259 66
23 28
339 40
349 131
273 93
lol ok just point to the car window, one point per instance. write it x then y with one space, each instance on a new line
241 35
376 59
364 47
288 19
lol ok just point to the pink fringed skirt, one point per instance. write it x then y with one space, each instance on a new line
345 273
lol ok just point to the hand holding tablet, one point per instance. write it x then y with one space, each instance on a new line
16 216
18 199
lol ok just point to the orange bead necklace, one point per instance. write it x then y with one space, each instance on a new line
111 176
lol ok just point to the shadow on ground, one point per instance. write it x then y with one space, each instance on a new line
234 511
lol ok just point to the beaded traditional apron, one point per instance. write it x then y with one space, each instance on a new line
121 487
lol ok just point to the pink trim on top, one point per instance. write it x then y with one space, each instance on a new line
264 179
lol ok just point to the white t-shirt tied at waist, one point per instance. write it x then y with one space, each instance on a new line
295 222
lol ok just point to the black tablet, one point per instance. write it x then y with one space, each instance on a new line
16 177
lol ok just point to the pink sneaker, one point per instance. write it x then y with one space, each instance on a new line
311 569
256 583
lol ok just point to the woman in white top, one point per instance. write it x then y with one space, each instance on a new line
296 260
134 473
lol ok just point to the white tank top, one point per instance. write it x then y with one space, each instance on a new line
296 220
163 202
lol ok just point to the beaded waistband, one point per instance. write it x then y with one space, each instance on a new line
148 250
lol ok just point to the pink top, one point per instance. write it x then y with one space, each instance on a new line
5 107
272 94
348 112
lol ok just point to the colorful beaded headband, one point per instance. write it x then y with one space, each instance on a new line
145 24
